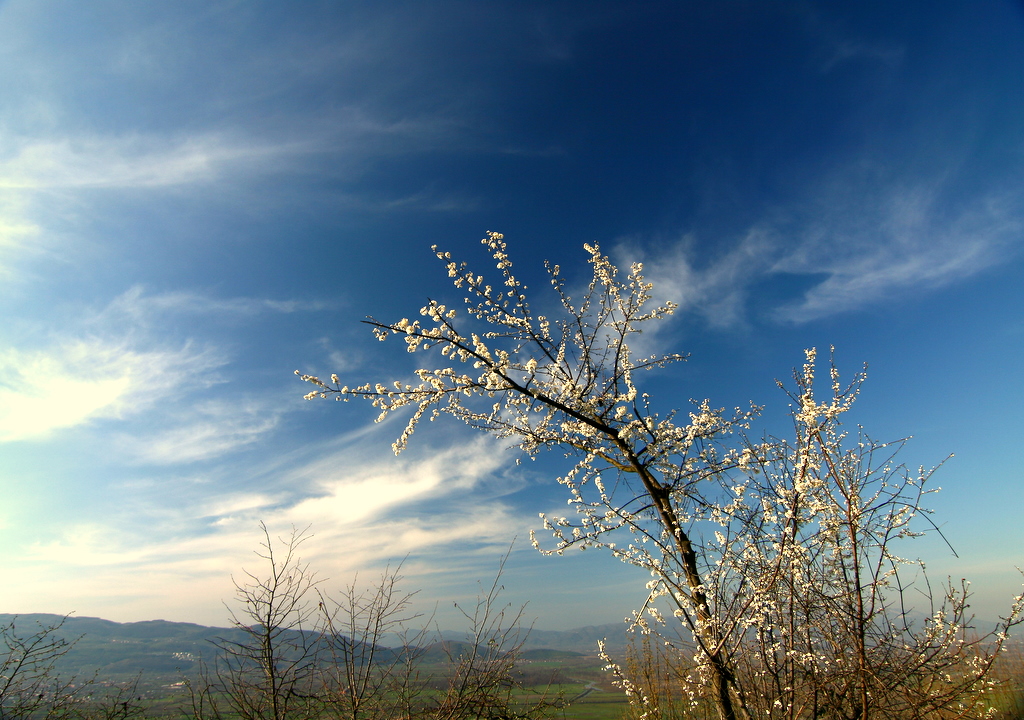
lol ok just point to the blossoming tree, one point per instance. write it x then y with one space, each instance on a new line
728 528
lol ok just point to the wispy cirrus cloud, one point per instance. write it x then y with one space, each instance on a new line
361 514
343 493
145 307
14 230
717 290
77 380
208 430
129 161
903 242
854 246
119 360
19 233
144 313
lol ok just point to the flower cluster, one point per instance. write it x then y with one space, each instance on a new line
554 382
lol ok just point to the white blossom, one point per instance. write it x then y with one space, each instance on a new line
776 556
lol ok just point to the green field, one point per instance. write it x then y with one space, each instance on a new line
579 679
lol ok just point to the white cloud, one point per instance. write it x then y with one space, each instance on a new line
75 381
904 242
117 361
128 161
211 429
345 494
426 199
362 515
144 309
18 234
14 229
860 245
717 290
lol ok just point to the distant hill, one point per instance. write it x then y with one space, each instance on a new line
111 649
583 639
159 648
547 654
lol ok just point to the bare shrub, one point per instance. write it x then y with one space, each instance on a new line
30 686
300 653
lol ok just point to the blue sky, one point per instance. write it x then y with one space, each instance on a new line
197 198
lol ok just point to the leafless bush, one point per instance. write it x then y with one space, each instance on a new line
359 677
268 669
482 680
120 701
300 653
30 686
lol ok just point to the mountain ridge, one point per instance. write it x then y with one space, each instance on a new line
172 649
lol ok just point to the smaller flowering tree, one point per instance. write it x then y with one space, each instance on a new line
814 595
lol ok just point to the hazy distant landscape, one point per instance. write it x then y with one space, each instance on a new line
162 655
167 650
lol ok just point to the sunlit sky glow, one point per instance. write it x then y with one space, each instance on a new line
197 198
